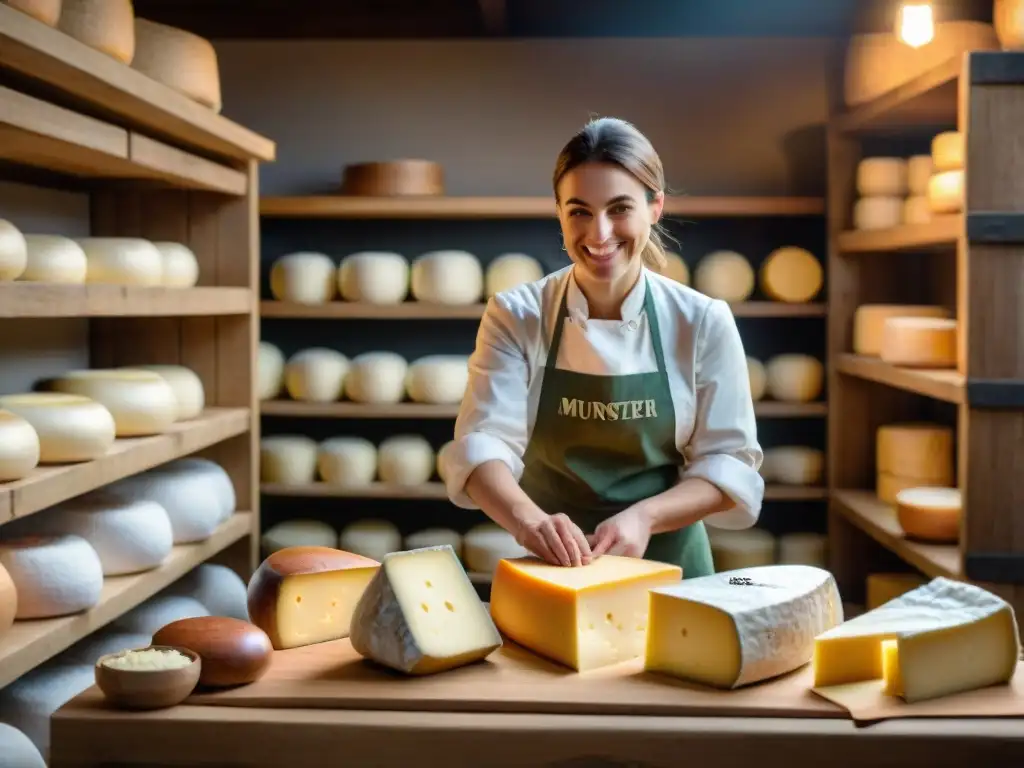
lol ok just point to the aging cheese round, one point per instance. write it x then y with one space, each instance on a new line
882 177
178 59
405 460
948 150
121 261
792 275
141 402
946 192
920 451
105 25
758 378
48 12
303 277
13 251
447 277
675 268
158 611
374 277
440 464
793 465
510 270
187 386
919 171
8 601
724 275
288 459
376 377
179 267
924 342
53 575
917 210
298 532
71 428
803 549
878 212
795 378
54 259
269 371
370 538
438 379
19 447
347 461
869 323
930 513
486 544
29 702
741 549
435 537
316 375
221 591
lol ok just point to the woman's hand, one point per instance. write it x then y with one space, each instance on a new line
626 533
556 539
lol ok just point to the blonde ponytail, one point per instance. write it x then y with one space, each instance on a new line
655 254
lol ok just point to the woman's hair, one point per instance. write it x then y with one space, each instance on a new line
611 140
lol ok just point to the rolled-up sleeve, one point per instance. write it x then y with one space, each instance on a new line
723 449
492 421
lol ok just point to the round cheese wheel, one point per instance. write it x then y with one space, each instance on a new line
510 270
675 268
29 702
13 251
71 428
17 749
141 402
930 513
316 375
288 459
917 210
916 450
919 171
435 537
159 611
48 12
179 267
370 538
869 323
53 575
439 463
795 378
946 192
19 447
803 549
298 533
8 601
485 544
221 591
121 261
374 277
925 342
178 59
447 277
758 378
100 643
791 274
882 177
438 379
304 278
948 150
54 259
405 460
376 377
877 212
270 371
793 465
731 550
347 461
189 394
106 25
724 275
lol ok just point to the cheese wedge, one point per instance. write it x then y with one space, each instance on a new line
947 637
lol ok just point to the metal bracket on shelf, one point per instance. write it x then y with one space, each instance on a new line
995 227
994 567
995 394
996 68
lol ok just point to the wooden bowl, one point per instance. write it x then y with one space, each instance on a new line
393 179
148 688
233 652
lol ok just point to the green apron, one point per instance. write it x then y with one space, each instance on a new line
602 443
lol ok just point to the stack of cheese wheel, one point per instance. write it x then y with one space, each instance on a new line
510 270
725 275
371 538
946 186
881 188
910 455
916 208
869 323
19 447
792 275
269 371
141 402
13 251
374 277
316 375
449 277
180 60
303 277
438 379
70 428
793 465
106 25
794 378
741 549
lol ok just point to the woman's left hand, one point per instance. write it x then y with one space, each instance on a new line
626 533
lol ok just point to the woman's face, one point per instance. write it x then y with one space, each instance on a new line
606 219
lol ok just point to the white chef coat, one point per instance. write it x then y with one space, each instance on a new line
716 431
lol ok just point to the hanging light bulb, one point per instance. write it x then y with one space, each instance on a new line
915 25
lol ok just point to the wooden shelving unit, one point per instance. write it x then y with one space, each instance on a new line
973 262
158 166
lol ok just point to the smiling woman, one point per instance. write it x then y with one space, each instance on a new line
608 409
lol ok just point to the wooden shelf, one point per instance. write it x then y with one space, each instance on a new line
779 410
946 385
119 92
351 207
51 485
940 233
22 299
32 642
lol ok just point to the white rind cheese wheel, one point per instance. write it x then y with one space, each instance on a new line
930 513
882 177
54 259
71 428
122 261
447 277
435 537
376 377
439 379
758 378
105 25
725 275
439 463
178 59
53 575
187 386
298 533
19 447
793 465
946 192
869 323
795 378
158 612
916 451
877 212
288 459
919 171
48 12
270 371
303 277
948 150
17 749
405 460
484 545
803 549
675 268
141 402
370 538
30 701
316 375
13 251
917 210
792 275
221 591
925 342
179 267
347 461
747 548
509 271
374 277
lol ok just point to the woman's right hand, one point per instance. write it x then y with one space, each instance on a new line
555 539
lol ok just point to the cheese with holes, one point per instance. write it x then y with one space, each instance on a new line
916 450
948 150
141 402
922 342
435 537
269 371
946 192
70 428
758 378
792 275
510 270
298 532
48 12
877 212
303 277
374 277
121 261
421 614
316 375
371 538
883 587
105 25
13 251
447 277
917 210
438 379
583 617
803 548
919 171
305 595
724 275
186 385
179 59
869 323
882 177
930 513
486 544
732 550
288 459
405 460
19 447
376 377
347 461
179 267
795 378
54 259
793 465
732 629
949 636
53 575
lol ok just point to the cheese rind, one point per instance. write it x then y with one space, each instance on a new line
930 513
725 275
915 450
71 428
19 447
869 323
421 614
732 629
791 274
924 342
584 617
